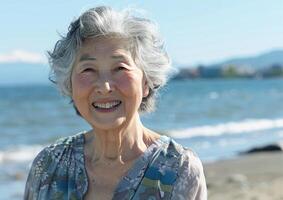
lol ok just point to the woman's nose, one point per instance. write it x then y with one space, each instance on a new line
104 86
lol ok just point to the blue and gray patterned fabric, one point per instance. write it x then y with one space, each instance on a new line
165 170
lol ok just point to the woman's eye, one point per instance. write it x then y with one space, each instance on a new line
88 70
120 68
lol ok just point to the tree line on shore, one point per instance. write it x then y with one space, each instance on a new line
229 71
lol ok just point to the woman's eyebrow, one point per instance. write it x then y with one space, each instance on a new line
120 57
86 57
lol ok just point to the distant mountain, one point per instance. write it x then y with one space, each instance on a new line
257 62
23 73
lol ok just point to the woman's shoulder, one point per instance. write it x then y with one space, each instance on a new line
180 169
191 160
186 155
191 181
185 160
55 153
58 162
69 141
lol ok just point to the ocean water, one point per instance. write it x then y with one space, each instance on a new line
216 118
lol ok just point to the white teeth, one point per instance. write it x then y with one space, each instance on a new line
106 105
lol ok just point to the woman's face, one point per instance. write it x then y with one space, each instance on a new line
107 86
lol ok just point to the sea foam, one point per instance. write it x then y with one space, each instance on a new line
244 126
19 154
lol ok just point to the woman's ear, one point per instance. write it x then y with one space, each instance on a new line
145 89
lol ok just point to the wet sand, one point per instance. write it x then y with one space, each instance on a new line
256 176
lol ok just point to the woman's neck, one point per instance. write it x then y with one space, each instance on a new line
119 146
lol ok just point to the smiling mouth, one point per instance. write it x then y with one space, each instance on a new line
107 105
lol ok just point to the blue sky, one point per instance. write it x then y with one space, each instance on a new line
195 31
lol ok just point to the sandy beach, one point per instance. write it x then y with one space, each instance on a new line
256 176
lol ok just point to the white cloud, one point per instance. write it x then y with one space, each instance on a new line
22 56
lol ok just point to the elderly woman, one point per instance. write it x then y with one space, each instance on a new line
111 64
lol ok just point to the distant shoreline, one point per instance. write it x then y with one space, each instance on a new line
229 72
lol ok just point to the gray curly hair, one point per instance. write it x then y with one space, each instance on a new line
146 46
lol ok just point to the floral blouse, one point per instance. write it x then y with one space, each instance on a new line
166 170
